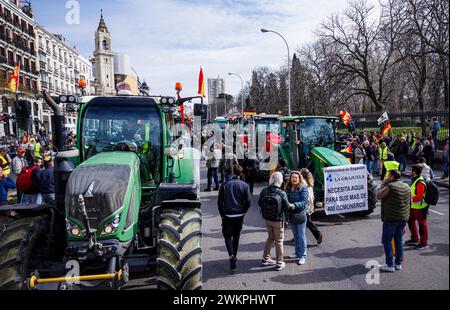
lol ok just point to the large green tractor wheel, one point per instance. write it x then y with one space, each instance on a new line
22 249
179 262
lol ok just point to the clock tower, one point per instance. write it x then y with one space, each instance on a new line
104 61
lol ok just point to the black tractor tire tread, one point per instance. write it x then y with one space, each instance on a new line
372 199
17 238
179 262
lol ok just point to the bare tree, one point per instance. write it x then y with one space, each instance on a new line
366 49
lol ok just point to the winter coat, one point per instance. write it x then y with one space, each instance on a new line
298 197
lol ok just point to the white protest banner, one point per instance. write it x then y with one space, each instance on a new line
345 189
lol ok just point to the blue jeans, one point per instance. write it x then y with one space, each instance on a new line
402 161
31 199
212 173
369 165
299 232
393 230
226 177
48 198
375 167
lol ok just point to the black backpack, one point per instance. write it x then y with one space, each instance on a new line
431 194
271 206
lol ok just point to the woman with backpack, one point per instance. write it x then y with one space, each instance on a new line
274 208
309 179
297 193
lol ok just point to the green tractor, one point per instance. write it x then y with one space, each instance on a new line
310 142
127 201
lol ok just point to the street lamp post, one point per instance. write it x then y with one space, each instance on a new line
242 92
289 66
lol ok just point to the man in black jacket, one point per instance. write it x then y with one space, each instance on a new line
234 201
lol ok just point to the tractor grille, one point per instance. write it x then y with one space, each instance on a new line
103 187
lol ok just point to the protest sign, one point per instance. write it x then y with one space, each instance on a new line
345 189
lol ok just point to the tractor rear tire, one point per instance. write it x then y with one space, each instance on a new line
372 199
19 240
179 262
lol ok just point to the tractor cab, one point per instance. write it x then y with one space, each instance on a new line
117 124
301 134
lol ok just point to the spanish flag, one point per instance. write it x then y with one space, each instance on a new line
345 117
386 128
13 82
25 138
201 84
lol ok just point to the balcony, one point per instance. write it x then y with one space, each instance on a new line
43 65
44 84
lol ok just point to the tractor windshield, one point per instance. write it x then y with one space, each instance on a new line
118 128
317 132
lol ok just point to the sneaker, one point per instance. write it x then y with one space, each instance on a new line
398 267
301 261
216 189
292 256
280 266
268 262
207 190
319 240
386 268
233 261
421 247
411 242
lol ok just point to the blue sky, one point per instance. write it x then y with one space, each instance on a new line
168 40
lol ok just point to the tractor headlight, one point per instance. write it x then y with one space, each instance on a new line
73 229
111 227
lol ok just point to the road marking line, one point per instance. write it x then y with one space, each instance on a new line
437 212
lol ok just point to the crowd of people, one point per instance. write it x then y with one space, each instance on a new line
290 202
374 150
288 199
26 166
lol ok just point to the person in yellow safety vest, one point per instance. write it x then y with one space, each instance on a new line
4 163
37 150
419 211
383 151
388 165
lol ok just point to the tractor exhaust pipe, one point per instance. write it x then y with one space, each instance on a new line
63 167
58 122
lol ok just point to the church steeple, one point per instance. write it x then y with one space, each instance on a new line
104 61
102 25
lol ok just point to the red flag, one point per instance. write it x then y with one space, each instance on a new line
345 117
201 84
25 138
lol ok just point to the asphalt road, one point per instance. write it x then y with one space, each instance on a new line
349 243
